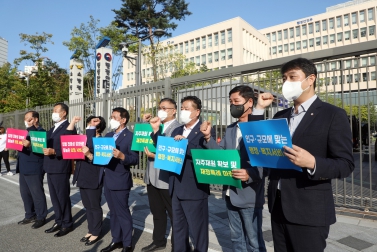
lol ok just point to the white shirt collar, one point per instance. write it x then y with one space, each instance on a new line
190 128
167 124
59 123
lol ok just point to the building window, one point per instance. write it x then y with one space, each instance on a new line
348 64
304 44
364 61
318 41
372 30
143 73
230 53
324 25
268 37
370 14
209 57
209 40
332 38
204 59
128 76
279 35
280 49
297 31
331 23
304 30
204 42
292 46
181 48
274 50
349 78
186 47
356 63
222 54
373 75
132 76
363 32
285 34
197 60
340 36
291 33
285 47
273 37
222 34
192 45
216 39
346 20
362 16
339 21
333 65
372 61
310 28
216 56
357 77
324 39
230 35
319 67
365 76
298 45
311 42
355 33
354 18
347 35
192 59
198 44
317 28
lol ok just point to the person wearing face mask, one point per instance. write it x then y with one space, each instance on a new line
59 171
189 198
4 152
117 179
301 203
244 205
86 177
31 174
157 180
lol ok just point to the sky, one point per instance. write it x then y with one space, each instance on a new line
60 17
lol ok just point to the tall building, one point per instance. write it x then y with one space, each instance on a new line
235 42
3 51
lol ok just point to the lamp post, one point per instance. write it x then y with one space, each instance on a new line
27 77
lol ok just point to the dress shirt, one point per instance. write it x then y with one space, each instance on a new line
187 131
58 124
116 135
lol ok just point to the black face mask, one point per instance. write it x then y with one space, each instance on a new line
237 110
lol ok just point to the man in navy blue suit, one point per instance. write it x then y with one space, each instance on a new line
58 172
118 182
30 168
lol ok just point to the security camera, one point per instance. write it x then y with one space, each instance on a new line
124 51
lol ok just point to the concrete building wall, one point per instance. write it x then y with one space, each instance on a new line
3 51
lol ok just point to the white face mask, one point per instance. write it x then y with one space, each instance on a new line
292 89
27 125
184 116
55 117
114 124
162 114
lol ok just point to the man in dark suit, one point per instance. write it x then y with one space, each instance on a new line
59 171
244 205
189 198
301 203
30 168
118 182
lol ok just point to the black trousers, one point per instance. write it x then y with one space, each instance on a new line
33 195
291 237
5 155
160 205
91 199
58 184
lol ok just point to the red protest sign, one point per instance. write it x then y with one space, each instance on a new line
14 139
72 146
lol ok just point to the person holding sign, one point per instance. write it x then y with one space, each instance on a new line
157 180
244 204
59 171
189 198
301 203
118 181
30 167
86 177
4 152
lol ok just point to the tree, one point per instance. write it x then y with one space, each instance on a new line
141 17
12 90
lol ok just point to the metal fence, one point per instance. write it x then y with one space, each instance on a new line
346 78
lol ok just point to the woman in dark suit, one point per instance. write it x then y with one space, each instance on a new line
86 177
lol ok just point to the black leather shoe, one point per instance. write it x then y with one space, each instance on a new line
38 223
54 228
112 246
127 249
91 242
27 221
153 247
63 231
85 239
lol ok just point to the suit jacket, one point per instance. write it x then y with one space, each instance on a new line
186 185
29 162
252 192
86 173
56 163
308 199
159 178
117 173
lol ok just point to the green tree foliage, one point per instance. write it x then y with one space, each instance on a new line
141 17
12 90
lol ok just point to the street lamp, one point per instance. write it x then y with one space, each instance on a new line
27 77
157 33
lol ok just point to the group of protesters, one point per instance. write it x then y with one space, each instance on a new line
301 203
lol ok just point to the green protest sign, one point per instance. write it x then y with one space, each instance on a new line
38 141
142 132
215 166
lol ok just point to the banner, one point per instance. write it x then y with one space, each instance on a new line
104 68
170 154
14 139
264 141
72 146
38 141
215 166
142 132
103 150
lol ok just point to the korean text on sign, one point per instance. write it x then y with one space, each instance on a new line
71 146
141 139
38 141
103 150
14 139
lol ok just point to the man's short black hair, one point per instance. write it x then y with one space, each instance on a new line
34 114
63 106
89 119
195 101
244 91
123 113
169 100
102 124
305 65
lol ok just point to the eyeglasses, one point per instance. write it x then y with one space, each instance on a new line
163 108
